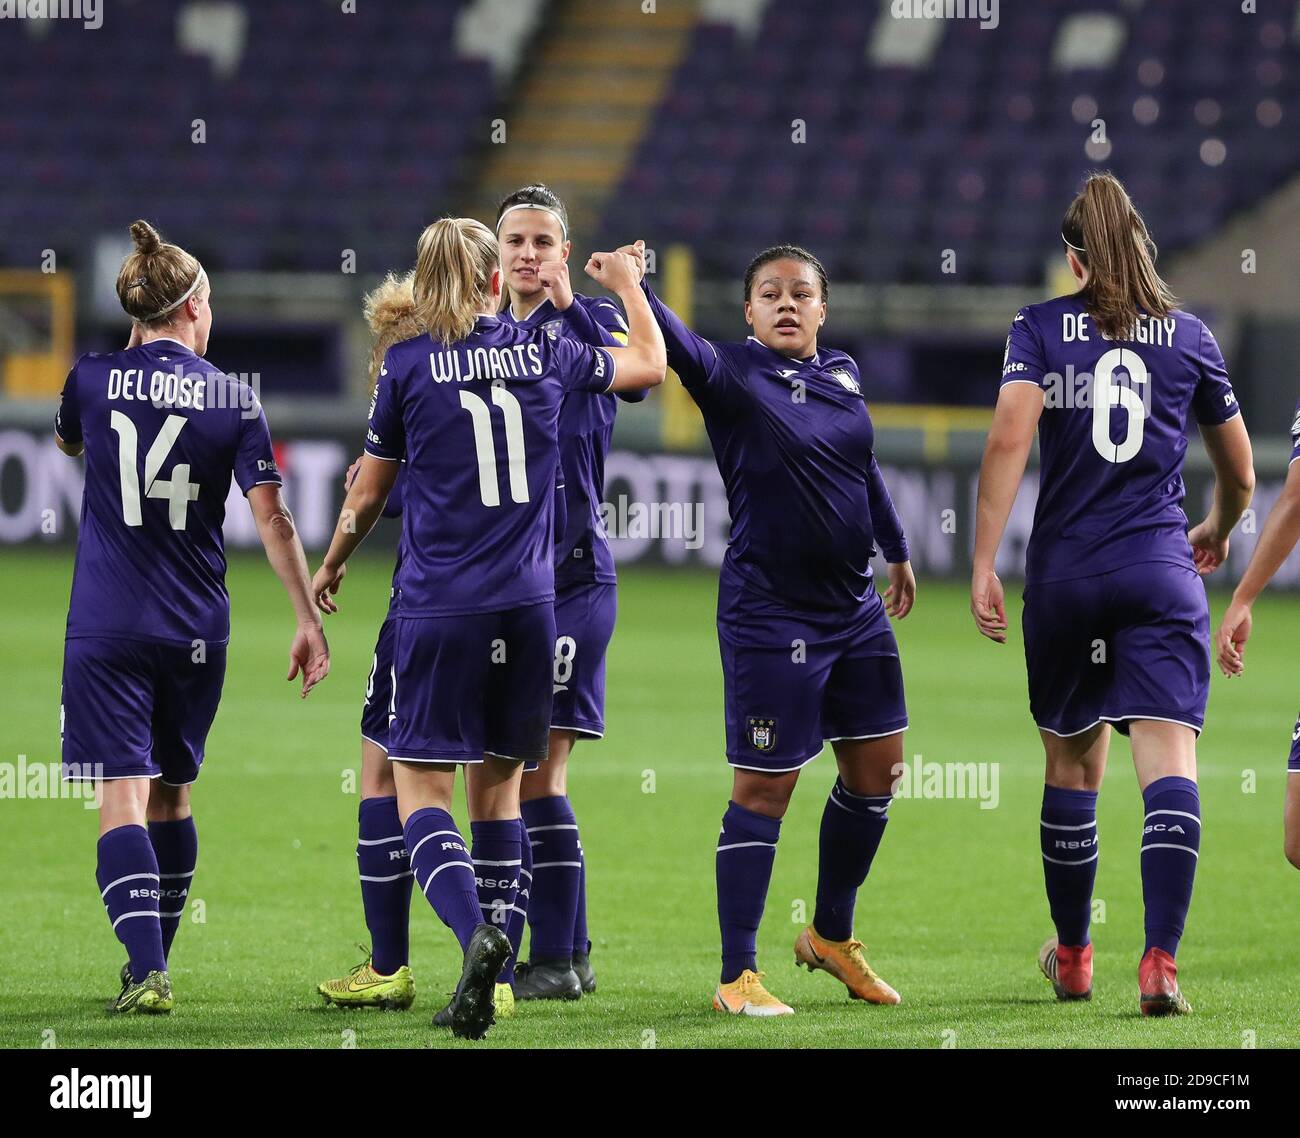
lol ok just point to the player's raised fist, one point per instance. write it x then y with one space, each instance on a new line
614 270
553 276
637 252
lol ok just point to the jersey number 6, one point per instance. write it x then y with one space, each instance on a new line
1105 395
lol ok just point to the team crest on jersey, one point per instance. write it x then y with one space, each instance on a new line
846 379
553 328
762 734
1295 427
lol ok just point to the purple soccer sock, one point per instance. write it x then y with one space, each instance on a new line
443 870
557 865
581 937
176 847
1171 843
852 826
127 873
1068 831
385 871
497 862
519 914
746 851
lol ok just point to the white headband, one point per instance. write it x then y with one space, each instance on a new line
1071 244
175 304
564 229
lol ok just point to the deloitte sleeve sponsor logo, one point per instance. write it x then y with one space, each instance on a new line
75 1091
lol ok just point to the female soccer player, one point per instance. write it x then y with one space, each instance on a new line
473 407
808 654
533 233
163 432
1276 541
533 229
1116 622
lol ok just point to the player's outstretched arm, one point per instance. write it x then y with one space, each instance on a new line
361 509
644 362
1015 419
1276 541
1228 446
309 654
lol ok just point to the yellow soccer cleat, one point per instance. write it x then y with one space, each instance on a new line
151 996
746 996
845 960
363 987
503 1001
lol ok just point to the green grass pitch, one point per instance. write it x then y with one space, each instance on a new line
953 913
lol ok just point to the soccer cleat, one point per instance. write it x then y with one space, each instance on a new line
1158 985
746 996
546 980
151 996
503 1004
586 974
363 987
845 960
1069 969
472 1004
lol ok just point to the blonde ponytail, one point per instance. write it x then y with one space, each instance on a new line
455 259
1111 240
391 316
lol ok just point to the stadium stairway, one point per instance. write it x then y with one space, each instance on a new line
596 74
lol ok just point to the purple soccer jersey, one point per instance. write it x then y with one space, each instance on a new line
1113 434
1295 436
164 431
477 422
794 444
582 553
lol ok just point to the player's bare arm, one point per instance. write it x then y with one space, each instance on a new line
644 362
1276 541
1228 446
361 509
1006 453
309 654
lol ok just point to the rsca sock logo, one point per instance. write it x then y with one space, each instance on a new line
75 1091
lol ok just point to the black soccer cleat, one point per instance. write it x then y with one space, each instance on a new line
547 980
471 1007
586 974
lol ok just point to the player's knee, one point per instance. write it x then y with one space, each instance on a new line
168 803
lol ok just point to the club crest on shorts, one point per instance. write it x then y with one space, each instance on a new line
762 734
846 379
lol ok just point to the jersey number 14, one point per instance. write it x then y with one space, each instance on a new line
178 493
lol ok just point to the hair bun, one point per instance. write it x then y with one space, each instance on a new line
146 237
